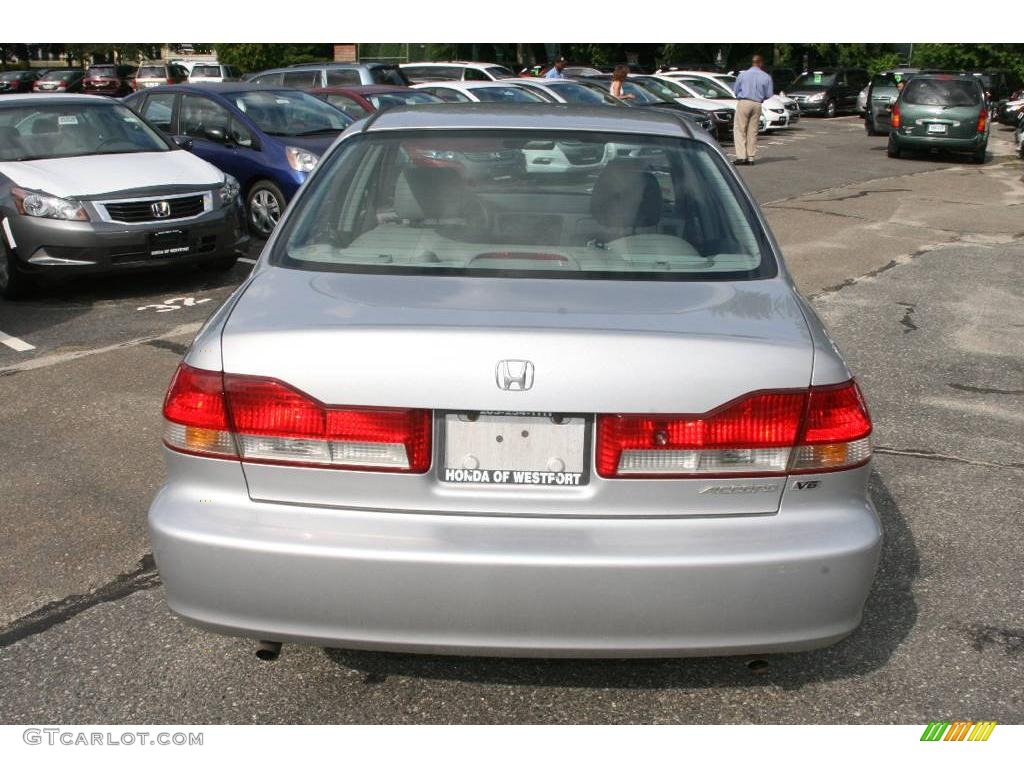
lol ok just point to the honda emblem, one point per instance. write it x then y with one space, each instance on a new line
514 375
161 209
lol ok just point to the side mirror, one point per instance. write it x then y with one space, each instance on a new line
216 134
185 142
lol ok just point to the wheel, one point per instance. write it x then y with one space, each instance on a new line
894 148
13 284
979 154
220 264
265 204
830 108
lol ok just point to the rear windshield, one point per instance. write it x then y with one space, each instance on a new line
942 93
62 74
205 70
527 203
8 76
35 132
152 72
889 79
102 72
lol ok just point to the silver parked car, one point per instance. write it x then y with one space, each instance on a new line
564 415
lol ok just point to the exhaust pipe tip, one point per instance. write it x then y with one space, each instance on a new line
267 650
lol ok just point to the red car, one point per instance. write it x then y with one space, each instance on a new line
358 101
109 79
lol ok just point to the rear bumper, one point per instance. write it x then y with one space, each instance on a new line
513 586
940 142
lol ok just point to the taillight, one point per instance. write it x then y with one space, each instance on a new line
764 433
263 420
62 84
134 84
982 120
896 115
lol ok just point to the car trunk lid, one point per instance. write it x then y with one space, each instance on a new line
595 347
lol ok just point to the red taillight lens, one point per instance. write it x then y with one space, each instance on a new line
272 422
982 120
896 115
62 84
196 414
133 83
765 433
835 414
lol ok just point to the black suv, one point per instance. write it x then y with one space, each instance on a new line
828 91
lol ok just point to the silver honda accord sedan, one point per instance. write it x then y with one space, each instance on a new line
464 407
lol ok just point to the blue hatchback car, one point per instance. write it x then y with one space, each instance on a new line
269 138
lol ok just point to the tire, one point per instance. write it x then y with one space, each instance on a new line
830 108
893 149
220 264
13 284
263 208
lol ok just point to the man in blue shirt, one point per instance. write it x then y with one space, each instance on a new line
752 86
555 73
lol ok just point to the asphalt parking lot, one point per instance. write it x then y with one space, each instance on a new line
914 264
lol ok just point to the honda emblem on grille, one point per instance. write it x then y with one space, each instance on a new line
514 375
161 209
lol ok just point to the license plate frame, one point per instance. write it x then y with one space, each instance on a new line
169 244
517 477
938 129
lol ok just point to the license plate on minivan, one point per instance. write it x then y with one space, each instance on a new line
936 128
489 448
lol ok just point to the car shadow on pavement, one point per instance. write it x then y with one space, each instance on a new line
889 616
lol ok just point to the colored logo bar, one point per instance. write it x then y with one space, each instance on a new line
958 730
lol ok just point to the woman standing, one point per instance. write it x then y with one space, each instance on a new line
619 75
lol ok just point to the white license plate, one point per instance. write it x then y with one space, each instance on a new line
515 449
936 128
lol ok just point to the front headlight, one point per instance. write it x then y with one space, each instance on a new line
229 189
44 206
816 97
301 159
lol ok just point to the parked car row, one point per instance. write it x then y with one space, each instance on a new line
112 79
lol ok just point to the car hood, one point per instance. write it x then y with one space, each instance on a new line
708 105
96 175
808 91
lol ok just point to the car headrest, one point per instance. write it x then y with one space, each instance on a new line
626 196
45 125
430 193
10 142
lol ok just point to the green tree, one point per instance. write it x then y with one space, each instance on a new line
252 57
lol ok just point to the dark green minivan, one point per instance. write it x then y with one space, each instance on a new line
940 112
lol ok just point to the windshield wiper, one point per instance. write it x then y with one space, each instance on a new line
318 130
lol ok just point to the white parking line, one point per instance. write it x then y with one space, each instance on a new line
247 260
15 343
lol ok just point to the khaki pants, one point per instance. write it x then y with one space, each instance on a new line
744 128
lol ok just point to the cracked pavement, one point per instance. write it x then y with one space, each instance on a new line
915 265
